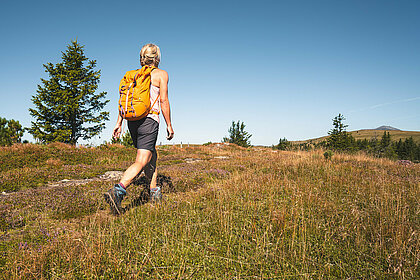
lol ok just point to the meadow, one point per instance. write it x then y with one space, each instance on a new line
370 134
228 213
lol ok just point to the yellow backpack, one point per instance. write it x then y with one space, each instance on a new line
134 103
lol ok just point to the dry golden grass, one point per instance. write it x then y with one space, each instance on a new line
233 213
369 134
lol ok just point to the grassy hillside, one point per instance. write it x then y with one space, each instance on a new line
371 134
395 134
230 213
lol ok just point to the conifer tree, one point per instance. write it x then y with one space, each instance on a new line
385 140
67 105
125 140
10 132
238 135
339 139
283 144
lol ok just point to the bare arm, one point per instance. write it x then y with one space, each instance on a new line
117 129
166 109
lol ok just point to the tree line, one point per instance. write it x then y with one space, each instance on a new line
341 140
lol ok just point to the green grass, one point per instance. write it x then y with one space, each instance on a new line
249 215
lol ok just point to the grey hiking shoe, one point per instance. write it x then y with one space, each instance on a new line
114 197
155 194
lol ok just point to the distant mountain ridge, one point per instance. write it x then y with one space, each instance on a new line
387 127
377 133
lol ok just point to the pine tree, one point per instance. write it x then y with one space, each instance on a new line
385 140
67 107
238 135
10 132
409 149
125 140
339 139
283 144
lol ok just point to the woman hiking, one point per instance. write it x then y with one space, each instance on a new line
144 132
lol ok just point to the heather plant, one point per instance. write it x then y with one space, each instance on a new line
31 165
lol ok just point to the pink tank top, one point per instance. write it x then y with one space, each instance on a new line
154 94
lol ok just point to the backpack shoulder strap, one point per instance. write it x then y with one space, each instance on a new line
134 84
154 102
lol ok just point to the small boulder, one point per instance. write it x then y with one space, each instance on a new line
405 162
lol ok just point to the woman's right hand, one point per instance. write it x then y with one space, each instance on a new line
117 131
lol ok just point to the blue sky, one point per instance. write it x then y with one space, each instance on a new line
284 68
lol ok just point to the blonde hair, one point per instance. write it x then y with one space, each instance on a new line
150 55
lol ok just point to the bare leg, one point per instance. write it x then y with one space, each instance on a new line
151 170
153 183
151 174
142 159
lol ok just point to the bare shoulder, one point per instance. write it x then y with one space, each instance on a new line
161 73
159 77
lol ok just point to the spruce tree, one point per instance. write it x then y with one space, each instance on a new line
10 132
125 140
339 139
283 144
238 135
385 140
67 105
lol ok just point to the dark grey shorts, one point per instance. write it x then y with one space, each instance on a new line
144 133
